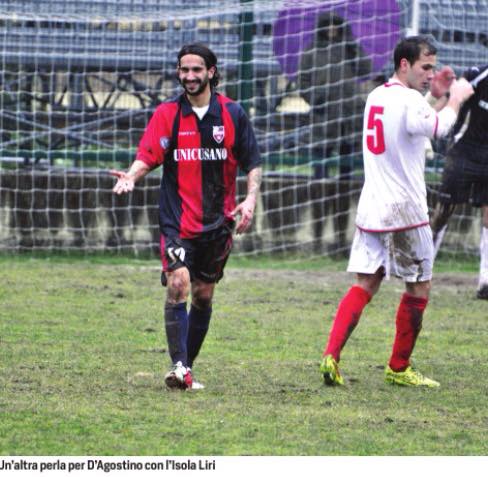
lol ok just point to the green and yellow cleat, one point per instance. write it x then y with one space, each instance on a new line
409 377
330 371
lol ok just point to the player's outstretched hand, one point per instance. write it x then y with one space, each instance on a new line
124 184
442 82
246 211
461 90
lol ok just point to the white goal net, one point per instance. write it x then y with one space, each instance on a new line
80 79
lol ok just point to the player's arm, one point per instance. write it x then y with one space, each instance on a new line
127 180
459 92
476 75
423 120
247 207
247 153
150 154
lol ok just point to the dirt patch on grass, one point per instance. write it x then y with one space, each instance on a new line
444 280
460 279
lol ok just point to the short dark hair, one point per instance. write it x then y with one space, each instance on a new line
411 48
208 56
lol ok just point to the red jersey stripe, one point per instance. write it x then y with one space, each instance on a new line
162 244
151 148
190 180
436 126
394 83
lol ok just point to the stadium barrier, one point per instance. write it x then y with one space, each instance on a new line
55 208
75 210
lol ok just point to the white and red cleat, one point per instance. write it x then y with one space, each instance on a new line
179 377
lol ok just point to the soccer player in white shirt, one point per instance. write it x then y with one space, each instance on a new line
393 235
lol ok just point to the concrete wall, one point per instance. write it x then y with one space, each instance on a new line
57 209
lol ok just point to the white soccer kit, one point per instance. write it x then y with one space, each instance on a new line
397 119
396 122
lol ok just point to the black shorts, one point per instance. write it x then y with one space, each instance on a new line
465 175
205 256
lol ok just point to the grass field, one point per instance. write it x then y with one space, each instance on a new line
82 357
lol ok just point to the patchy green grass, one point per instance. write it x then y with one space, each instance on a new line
83 354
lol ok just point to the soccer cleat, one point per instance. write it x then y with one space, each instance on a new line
409 377
330 371
179 377
195 385
482 293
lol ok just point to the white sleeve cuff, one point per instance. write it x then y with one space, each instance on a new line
446 119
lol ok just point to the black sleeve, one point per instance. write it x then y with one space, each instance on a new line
246 148
474 72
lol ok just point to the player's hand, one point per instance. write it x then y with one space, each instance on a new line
442 82
246 211
124 184
461 90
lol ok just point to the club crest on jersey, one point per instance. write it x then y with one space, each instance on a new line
218 133
164 141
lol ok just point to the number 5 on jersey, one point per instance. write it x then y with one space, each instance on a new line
375 139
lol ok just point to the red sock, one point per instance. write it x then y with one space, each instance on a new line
347 317
408 326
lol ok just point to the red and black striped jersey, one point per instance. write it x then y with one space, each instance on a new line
200 159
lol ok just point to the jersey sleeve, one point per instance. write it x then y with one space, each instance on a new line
423 120
476 74
246 147
152 145
421 117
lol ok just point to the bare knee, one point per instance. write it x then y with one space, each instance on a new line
202 294
371 282
419 289
202 302
178 287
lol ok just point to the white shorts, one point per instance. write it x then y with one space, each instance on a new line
408 254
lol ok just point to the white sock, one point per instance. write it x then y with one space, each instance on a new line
483 257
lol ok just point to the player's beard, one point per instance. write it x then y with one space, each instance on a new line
201 88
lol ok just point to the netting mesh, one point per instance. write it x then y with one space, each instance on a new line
80 79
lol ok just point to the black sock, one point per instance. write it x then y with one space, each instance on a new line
176 324
198 326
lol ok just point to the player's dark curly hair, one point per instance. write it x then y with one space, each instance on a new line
208 56
411 47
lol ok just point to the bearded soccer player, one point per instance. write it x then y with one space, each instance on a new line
200 139
465 175
393 235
